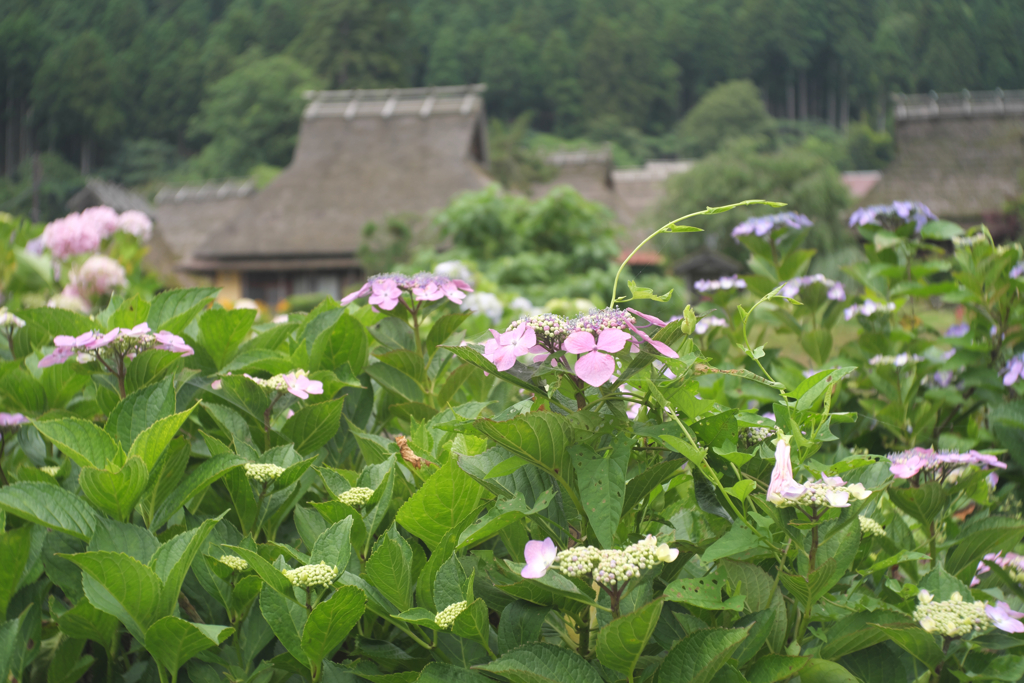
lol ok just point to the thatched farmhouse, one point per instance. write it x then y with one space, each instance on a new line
361 156
962 154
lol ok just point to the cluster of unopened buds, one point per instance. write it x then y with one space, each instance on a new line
931 465
784 491
357 496
870 527
609 567
867 309
1012 563
446 617
120 341
751 436
310 575
236 563
592 337
52 470
263 473
385 291
957 617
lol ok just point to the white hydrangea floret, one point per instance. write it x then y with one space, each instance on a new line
953 617
356 496
310 575
870 527
8 319
446 617
262 473
52 470
235 562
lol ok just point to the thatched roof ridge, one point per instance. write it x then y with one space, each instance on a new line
350 170
101 192
211 190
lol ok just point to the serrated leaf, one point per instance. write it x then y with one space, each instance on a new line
174 305
286 619
923 503
50 506
115 493
621 642
542 663
697 657
520 623
704 592
122 587
443 500
330 622
389 568
503 513
173 641
922 645
314 425
151 443
640 486
334 545
196 481
978 538
139 410
396 381
173 559
82 441
774 668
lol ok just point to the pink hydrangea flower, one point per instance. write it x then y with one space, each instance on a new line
302 386
98 275
595 365
71 235
1004 618
136 223
540 555
504 348
12 419
167 341
386 289
66 347
385 294
782 486
103 218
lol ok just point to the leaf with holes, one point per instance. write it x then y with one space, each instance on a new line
705 592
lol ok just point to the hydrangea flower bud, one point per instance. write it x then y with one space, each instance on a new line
751 436
870 527
579 561
235 562
8 319
357 496
446 617
310 575
51 470
953 617
262 473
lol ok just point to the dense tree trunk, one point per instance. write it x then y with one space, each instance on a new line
26 133
844 103
85 158
803 94
831 96
790 100
10 139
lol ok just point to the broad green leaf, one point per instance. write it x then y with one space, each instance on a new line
115 493
344 342
761 594
760 627
773 668
244 393
194 483
697 657
813 387
23 392
705 592
149 367
174 309
684 448
503 513
121 537
330 622
923 503
941 584
220 332
333 545
737 540
823 671
601 481
640 486
440 554
473 624
82 441
389 568
940 230
1008 668
817 344
122 587
172 560
807 590
68 665
475 358
14 549
396 381
50 506
987 535
61 383
43 324
173 641
446 673
520 623
443 500
855 632
273 576
139 410
922 645
286 619
314 425
542 663
9 631
543 438
150 444
164 478
621 642
443 328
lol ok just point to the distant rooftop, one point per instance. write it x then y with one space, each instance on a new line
653 170
860 183
957 105
386 103
209 191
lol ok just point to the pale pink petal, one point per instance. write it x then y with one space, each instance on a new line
504 358
649 318
527 340
362 291
595 368
539 555
580 342
612 341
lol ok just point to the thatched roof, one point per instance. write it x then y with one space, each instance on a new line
101 192
361 156
960 154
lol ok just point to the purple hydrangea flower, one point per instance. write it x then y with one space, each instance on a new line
867 309
938 465
705 324
9 420
1014 370
893 215
727 282
836 291
763 226
958 330
1017 271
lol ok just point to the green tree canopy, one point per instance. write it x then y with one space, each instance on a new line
729 110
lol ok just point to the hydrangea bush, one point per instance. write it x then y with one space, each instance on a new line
798 478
